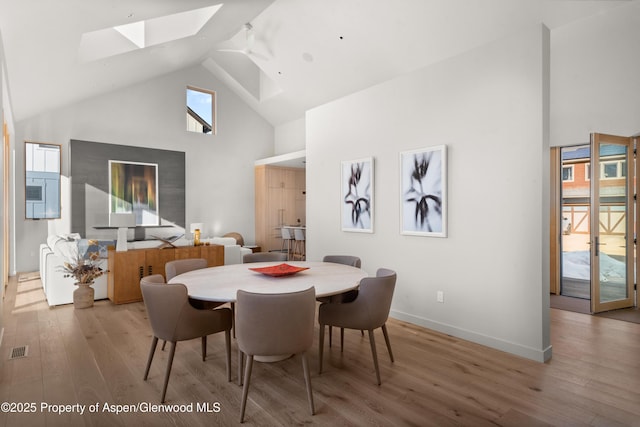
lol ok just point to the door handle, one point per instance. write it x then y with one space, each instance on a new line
597 245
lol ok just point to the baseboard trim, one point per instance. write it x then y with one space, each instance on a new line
538 355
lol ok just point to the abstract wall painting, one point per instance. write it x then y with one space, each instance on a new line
357 195
423 192
133 187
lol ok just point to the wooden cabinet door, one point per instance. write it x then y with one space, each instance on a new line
125 271
295 198
275 217
276 177
301 196
155 259
214 254
184 252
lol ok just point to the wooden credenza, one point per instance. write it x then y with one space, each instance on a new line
127 268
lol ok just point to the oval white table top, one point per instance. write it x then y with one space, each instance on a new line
222 283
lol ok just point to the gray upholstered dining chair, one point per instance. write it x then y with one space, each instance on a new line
179 266
260 257
264 257
351 260
173 319
273 325
348 296
368 311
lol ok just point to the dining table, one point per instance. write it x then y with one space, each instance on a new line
222 283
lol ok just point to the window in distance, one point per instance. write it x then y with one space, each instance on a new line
201 108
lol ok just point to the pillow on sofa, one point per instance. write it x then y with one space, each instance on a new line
71 246
54 239
67 250
88 248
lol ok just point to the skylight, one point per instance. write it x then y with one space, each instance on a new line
139 35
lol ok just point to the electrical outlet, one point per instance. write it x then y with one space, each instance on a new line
440 296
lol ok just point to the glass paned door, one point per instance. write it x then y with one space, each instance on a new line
575 222
612 225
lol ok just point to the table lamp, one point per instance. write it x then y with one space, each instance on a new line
193 227
122 221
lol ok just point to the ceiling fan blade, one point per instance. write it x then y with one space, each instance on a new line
250 41
258 56
242 51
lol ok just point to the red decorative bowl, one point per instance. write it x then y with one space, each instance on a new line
279 270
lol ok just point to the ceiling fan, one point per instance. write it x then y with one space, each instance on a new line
250 40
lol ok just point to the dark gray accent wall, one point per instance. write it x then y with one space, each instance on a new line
89 163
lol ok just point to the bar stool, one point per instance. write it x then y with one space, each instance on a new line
285 232
299 243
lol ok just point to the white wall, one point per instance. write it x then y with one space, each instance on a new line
595 76
490 108
5 117
290 137
219 169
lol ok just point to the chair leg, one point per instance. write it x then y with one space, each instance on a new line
204 347
341 339
374 354
227 347
245 388
320 348
172 352
386 339
330 335
154 344
164 343
240 366
233 318
307 380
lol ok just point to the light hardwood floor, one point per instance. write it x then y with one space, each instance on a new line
98 355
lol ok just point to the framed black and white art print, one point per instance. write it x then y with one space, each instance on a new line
423 198
357 195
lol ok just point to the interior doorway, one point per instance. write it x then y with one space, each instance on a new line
593 223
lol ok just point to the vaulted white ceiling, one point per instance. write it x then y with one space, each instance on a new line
306 52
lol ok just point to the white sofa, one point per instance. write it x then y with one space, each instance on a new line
233 253
60 248
63 248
